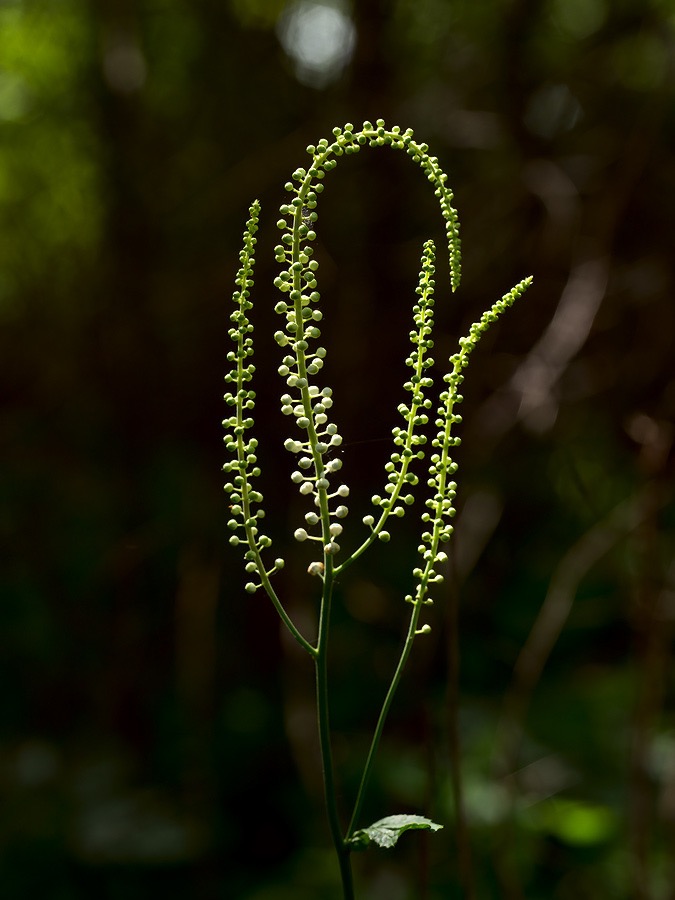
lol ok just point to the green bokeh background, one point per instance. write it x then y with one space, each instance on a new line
156 729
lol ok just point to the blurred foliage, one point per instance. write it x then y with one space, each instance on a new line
156 736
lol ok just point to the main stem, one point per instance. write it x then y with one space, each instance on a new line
321 662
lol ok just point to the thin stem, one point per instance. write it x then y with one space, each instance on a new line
283 615
384 712
321 662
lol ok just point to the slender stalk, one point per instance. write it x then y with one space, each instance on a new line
321 663
384 712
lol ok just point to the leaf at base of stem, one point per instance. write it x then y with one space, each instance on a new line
386 832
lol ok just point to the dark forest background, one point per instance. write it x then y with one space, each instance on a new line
156 728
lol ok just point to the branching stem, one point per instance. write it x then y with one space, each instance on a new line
308 407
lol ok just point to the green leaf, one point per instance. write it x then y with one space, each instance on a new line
386 832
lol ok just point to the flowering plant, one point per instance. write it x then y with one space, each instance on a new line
308 407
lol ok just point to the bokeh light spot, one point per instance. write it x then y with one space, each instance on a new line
319 37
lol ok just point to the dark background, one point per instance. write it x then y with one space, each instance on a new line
156 728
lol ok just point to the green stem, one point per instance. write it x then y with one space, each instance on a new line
283 615
384 712
321 662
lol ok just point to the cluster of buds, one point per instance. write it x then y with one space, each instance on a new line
307 403
440 506
408 441
308 406
242 465
349 140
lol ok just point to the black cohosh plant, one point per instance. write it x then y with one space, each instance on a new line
308 406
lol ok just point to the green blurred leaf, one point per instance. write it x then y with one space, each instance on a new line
577 823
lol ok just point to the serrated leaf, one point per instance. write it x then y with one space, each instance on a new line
386 832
